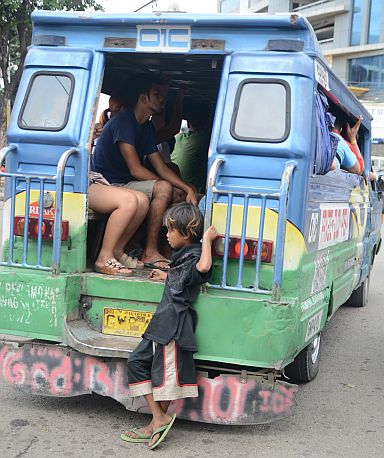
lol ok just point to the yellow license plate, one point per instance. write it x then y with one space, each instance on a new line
120 322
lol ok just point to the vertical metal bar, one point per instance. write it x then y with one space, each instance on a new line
260 241
26 218
242 240
12 219
280 236
40 223
211 183
226 240
57 226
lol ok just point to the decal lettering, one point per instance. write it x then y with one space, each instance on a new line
320 275
163 38
313 326
334 224
21 303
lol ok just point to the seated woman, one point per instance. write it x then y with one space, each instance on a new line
127 209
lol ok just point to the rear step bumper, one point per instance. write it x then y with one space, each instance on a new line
78 335
56 370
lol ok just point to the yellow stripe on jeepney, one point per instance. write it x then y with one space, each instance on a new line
294 241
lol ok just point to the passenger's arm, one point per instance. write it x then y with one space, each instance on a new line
355 168
169 175
138 171
351 133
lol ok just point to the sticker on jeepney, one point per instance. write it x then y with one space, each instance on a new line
334 224
319 281
321 75
313 326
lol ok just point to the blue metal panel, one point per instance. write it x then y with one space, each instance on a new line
259 165
90 29
59 57
38 151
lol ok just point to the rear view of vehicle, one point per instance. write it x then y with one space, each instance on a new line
294 241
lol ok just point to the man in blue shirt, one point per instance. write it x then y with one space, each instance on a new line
119 154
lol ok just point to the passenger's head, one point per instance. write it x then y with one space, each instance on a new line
198 116
116 104
186 219
146 90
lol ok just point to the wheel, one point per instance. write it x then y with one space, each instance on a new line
359 297
305 366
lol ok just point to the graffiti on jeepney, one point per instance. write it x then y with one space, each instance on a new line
63 372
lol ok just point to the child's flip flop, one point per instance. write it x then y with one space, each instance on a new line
163 430
139 439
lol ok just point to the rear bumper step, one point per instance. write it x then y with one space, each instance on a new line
84 339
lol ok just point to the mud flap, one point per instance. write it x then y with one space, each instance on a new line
55 370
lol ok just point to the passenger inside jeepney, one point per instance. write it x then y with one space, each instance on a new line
348 155
119 156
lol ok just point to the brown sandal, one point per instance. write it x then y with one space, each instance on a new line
113 267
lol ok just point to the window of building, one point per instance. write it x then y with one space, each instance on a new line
47 101
229 6
375 13
356 22
367 72
270 97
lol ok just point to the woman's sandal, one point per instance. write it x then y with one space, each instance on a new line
113 267
131 262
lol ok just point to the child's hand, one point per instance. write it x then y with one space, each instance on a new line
157 275
210 234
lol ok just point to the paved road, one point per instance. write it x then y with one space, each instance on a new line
340 414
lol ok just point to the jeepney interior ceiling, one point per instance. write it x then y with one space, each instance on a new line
200 75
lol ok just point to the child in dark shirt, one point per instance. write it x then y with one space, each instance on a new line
162 368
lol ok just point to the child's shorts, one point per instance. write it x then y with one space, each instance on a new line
164 370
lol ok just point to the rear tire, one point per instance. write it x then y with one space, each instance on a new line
359 297
305 366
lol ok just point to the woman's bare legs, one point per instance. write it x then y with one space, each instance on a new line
123 206
134 224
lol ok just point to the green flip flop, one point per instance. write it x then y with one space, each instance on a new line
163 430
139 439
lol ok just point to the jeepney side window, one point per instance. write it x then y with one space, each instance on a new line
271 100
47 101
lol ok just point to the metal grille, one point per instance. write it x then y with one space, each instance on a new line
41 180
213 193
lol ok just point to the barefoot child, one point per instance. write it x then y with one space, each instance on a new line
162 368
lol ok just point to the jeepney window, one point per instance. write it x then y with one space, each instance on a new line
262 111
47 101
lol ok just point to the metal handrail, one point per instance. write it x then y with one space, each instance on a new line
282 197
58 179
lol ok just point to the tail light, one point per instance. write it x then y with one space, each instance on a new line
47 228
250 248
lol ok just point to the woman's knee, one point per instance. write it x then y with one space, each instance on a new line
128 201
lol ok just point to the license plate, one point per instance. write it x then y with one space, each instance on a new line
120 322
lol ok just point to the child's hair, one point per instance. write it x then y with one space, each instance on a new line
185 218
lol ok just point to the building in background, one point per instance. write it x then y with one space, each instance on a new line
351 35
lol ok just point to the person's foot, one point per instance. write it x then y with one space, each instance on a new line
157 423
155 260
111 267
145 431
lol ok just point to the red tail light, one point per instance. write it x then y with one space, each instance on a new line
47 228
250 248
